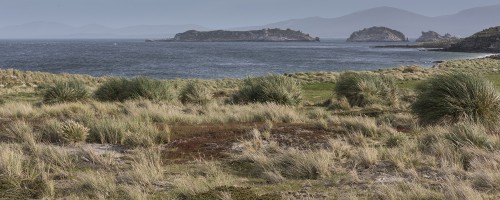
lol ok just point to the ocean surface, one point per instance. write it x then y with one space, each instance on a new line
170 60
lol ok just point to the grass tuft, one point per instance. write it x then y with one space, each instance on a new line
455 97
362 89
61 92
141 87
466 134
195 93
273 89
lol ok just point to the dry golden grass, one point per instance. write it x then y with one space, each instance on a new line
306 151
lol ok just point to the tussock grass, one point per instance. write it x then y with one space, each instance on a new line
455 97
20 132
460 190
330 154
97 185
271 89
106 130
363 89
467 134
58 159
276 164
405 122
307 164
74 132
70 91
132 131
104 161
11 78
20 176
195 93
209 176
395 140
16 110
366 156
407 191
147 168
141 87
365 125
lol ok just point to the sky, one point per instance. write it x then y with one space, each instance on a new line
208 13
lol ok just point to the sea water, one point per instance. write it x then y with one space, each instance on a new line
208 60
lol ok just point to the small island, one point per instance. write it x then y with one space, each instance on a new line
377 34
264 35
429 40
487 41
432 36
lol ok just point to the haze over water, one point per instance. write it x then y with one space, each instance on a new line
170 60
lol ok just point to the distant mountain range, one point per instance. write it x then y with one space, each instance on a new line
461 24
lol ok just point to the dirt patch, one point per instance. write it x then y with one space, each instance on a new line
301 136
216 141
203 141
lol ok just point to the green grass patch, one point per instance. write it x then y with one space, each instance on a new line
318 91
495 79
409 84
31 97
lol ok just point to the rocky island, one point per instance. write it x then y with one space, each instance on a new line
432 36
377 34
264 35
487 40
429 40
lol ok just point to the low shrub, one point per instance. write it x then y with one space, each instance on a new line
455 97
195 93
273 88
141 87
61 92
362 89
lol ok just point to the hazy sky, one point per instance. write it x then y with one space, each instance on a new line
210 13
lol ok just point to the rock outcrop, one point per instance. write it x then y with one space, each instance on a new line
264 35
377 34
487 41
432 36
